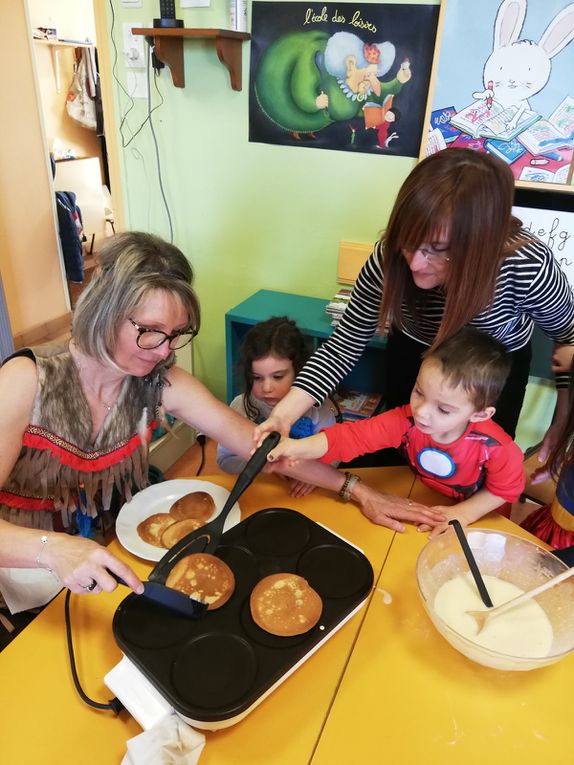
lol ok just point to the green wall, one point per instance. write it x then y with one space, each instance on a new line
248 216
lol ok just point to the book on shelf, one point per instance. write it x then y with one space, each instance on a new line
357 405
494 121
335 308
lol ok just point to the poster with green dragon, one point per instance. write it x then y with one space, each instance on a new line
347 77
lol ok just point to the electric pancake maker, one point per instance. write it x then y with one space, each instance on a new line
215 670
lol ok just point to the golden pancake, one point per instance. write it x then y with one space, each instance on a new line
153 527
203 577
178 530
197 504
285 605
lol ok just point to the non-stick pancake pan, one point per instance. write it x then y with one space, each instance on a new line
215 670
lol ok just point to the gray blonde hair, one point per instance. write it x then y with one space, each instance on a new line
130 265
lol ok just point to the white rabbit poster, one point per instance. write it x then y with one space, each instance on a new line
348 76
505 85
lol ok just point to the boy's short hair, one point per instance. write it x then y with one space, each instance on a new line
476 362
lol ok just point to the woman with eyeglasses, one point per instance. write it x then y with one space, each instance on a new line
75 420
452 255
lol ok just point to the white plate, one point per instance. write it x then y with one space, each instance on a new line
158 499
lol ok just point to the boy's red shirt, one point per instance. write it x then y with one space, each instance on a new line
483 457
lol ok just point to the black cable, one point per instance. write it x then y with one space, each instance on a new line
114 705
147 119
125 143
201 441
151 127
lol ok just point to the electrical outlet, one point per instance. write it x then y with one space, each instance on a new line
136 84
133 50
131 3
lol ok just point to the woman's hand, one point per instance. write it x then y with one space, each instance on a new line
540 475
389 510
78 562
272 423
299 489
284 414
554 431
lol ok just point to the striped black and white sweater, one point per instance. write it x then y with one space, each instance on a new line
530 288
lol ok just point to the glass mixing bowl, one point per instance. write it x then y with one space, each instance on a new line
509 557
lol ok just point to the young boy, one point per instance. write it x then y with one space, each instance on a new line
446 432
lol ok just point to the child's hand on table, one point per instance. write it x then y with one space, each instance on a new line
449 513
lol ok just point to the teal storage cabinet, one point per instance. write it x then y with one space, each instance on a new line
309 315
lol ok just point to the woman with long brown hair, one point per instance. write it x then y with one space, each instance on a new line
452 255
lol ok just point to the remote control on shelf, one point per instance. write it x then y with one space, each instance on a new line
167 15
167 9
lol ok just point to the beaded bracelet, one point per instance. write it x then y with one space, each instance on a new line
351 481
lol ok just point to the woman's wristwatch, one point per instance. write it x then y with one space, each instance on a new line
346 492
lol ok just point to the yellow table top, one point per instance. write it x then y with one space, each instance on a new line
44 721
385 688
407 696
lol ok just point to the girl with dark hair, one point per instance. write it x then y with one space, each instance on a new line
272 354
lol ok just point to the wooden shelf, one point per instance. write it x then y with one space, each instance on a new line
168 47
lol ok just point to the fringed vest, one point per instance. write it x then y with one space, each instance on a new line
59 466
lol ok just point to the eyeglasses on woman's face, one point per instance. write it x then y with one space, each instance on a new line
435 253
152 338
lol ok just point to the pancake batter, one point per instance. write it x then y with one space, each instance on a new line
524 631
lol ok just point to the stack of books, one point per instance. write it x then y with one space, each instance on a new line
337 305
357 405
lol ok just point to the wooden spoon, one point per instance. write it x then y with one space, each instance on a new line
483 617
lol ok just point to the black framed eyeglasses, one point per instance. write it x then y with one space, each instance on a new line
153 338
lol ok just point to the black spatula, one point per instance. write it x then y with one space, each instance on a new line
204 539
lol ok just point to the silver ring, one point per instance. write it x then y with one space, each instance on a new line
91 586
410 503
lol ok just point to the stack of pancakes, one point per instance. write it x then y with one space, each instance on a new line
186 515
